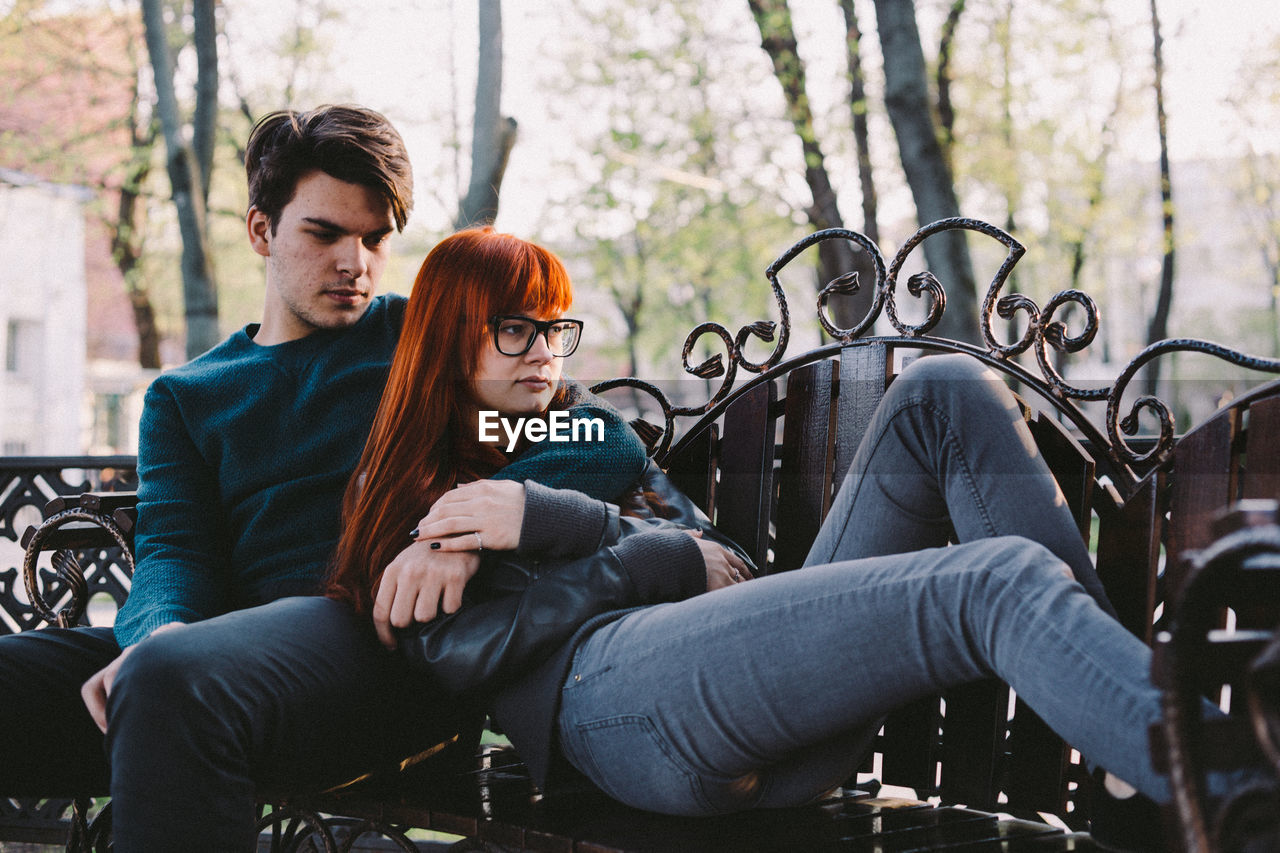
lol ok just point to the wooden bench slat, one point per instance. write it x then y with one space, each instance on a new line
909 746
72 536
108 502
1262 458
692 468
1129 552
973 733
804 487
1199 489
744 494
864 377
1071 467
1037 764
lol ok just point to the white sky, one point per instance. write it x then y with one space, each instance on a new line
396 55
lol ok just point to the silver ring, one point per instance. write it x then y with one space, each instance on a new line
479 541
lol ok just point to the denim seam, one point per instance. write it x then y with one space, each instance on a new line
765 611
954 445
1067 640
650 730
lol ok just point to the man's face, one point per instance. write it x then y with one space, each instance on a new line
324 258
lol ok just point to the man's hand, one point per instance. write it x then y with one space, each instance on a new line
486 514
420 583
95 691
724 567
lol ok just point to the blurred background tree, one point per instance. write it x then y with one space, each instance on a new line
670 149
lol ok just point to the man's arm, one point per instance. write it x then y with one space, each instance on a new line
181 540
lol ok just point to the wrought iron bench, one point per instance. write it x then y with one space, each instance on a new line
762 455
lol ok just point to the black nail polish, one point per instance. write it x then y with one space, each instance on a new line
413 534
435 546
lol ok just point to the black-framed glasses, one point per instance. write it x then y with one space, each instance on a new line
513 334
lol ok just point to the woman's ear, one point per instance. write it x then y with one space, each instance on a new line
258 224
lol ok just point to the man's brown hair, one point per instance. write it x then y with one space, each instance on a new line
350 143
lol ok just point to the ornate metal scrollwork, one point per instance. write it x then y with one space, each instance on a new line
1043 332
296 828
66 567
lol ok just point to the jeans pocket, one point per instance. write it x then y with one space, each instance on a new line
629 759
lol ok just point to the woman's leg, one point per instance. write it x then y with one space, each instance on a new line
734 699
947 451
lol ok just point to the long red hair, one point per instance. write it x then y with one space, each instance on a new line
423 440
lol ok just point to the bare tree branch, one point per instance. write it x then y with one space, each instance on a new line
494 135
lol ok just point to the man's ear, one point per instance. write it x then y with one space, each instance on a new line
259 226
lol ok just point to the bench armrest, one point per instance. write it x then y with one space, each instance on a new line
88 521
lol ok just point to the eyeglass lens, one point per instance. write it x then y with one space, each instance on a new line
515 335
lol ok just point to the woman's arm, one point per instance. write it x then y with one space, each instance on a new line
560 511
473 648
602 460
530 607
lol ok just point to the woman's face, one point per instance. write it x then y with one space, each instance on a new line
516 384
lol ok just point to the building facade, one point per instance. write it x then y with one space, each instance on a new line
42 316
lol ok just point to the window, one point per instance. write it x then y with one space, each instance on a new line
21 347
12 334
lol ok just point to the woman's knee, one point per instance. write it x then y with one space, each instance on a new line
946 368
1021 564
957 383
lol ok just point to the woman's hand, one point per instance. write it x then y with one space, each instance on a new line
484 515
724 567
420 584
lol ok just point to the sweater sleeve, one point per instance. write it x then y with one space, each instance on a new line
602 460
561 522
181 534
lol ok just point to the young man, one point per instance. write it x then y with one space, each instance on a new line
216 682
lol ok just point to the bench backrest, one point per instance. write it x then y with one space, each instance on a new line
763 459
765 467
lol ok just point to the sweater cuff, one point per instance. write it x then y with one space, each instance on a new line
664 565
560 522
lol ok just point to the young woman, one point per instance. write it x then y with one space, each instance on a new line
598 656
481 354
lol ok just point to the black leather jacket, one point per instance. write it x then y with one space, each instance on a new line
512 642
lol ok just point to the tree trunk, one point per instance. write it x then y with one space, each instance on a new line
946 111
126 238
493 135
126 250
204 123
861 133
906 99
835 257
198 287
1158 329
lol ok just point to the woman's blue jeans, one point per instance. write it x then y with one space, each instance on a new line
768 693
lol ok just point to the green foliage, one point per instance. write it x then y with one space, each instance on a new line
675 211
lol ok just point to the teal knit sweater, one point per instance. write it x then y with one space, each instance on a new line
602 468
243 457
244 454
